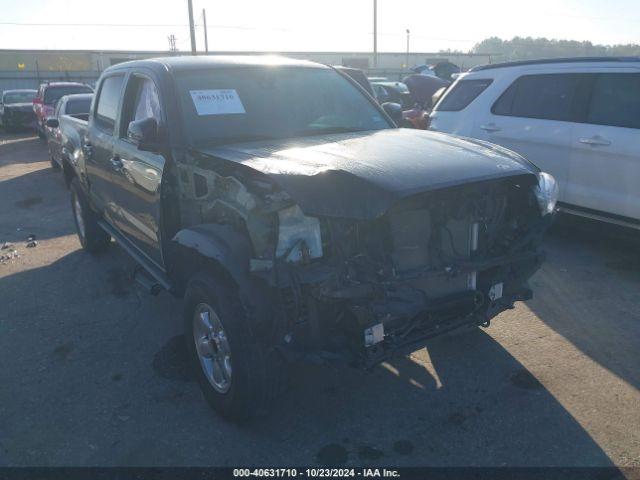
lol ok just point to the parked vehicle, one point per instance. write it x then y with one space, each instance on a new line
393 92
577 118
443 70
422 89
76 105
16 110
298 224
47 97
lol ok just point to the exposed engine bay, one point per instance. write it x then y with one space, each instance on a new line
366 289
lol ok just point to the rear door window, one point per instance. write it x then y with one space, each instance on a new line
75 107
462 94
549 97
615 100
108 100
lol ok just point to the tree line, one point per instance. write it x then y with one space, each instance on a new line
525 48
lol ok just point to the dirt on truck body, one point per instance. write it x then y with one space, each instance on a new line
300 224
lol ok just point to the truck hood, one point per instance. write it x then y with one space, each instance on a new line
20 107
361 175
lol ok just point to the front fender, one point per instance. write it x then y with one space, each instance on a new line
225 253
221 244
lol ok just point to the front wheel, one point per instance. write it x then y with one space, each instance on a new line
92 238
239 375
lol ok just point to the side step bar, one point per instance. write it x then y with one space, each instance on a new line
146 281
147 274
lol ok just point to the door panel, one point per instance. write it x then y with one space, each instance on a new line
546 143
138 204
605 169
97 151
536 117
605 161
98 146
137 174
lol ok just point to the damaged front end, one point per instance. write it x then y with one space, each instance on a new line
369 288
432 263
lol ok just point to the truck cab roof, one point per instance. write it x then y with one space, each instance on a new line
181 63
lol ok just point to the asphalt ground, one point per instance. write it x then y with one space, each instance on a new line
93 370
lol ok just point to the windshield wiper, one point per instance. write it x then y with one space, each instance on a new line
328 130
237 139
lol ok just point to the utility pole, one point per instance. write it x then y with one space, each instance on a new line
407 61
192 29
206 40
375 33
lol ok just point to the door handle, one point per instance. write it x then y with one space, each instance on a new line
490 127
595 141
116 163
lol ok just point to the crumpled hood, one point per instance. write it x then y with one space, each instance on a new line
360 175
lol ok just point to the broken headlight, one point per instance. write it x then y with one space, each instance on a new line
546 193
298 236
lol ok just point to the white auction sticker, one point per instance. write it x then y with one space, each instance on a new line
217 102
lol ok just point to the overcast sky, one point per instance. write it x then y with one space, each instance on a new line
299 25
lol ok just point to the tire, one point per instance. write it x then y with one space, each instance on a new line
41 135
92 238
54 164
254 377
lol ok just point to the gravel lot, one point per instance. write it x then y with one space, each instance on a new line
92 369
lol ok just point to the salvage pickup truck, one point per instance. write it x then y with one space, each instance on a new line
294 218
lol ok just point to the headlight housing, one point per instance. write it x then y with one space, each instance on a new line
299 236
546 192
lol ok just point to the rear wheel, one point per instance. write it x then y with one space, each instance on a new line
92 237
239 375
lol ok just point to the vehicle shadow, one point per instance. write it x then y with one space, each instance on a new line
587 291
111 361
466 401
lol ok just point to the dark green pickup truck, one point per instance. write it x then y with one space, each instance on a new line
296 220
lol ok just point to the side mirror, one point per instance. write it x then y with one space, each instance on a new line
52 122
144 134
394 110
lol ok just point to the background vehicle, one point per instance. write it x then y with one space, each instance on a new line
300 224
576 118
443 70
16 109
393 92
422 89
78 106
47 97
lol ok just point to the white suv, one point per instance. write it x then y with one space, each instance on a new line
578 119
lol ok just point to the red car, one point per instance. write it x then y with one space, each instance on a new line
48 95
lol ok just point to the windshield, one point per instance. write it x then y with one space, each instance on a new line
19 97
252 103
53 94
